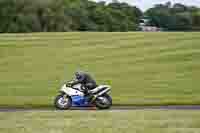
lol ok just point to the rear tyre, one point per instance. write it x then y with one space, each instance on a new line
103 102
62 102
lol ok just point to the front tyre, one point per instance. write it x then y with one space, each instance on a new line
62 102
103 102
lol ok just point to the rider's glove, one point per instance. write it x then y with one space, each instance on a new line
69 85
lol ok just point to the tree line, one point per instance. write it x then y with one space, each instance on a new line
21 16
177 17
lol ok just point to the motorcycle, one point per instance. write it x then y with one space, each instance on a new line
74 96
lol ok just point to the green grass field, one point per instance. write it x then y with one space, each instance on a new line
148 121
143 68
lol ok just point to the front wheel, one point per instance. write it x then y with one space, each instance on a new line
103 102
62 102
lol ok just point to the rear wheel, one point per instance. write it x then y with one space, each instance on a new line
103 102
62 102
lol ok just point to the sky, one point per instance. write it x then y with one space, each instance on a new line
145 4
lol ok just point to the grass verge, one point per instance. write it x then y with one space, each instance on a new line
139 121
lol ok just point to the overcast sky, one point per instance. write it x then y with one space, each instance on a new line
145 4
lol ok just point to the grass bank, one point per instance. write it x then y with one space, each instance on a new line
142 68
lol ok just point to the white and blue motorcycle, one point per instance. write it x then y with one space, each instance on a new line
73 96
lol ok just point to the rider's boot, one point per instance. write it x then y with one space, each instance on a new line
89 96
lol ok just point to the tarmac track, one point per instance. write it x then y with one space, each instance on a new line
114 108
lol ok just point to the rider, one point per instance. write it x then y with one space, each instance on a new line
86 80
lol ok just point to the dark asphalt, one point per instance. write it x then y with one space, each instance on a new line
114 108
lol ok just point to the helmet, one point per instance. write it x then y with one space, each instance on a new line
78 74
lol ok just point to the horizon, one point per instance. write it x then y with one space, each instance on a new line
144 4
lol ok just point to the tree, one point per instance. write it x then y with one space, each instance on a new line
196 20
177 8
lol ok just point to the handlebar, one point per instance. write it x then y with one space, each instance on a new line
69 83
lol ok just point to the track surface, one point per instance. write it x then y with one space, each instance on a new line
114 108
